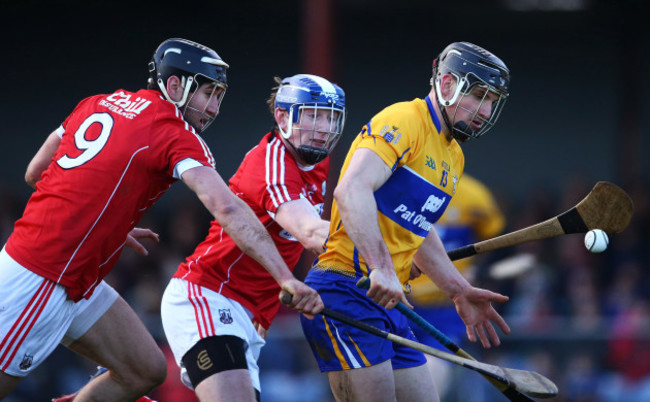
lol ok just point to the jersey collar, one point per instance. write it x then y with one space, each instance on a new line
434 116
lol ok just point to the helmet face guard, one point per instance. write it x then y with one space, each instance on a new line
316 110
316 130
201 119
194 64
476 72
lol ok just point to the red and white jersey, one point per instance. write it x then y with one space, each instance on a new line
267 177
118 154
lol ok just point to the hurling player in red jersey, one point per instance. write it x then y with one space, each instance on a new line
95 177
220 303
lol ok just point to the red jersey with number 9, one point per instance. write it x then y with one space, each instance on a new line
118 154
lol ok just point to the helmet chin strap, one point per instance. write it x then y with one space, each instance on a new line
311 155
463 128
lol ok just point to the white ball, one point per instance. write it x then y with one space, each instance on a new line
596 241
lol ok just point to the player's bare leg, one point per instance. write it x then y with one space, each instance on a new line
374 383
441 372
7 384
415 384
121 343
227 386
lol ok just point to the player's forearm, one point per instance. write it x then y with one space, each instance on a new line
313 236
299 218
358 210
252 238
237 219
433 261
241 224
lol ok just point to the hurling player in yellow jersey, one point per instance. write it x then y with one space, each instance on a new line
472 215
396 181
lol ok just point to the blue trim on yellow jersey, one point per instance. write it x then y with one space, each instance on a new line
355 260
412 202
326 240
399 158
367 130
358 272
434 116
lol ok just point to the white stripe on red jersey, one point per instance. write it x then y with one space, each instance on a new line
218 264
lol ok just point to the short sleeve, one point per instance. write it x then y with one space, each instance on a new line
179 147
391 135
282 181
59 131
267 177
185 165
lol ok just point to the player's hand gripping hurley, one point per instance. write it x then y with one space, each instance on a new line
526 382
606 207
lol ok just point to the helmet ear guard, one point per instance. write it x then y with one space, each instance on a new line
186 82
461 84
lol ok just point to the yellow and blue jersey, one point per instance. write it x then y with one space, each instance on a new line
472 215
426 168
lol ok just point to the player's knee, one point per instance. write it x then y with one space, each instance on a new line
213 355
154 371
145 374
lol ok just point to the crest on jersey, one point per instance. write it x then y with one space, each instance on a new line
390 134
224 316
27 362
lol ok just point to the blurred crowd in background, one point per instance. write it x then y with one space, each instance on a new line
581 319
579 103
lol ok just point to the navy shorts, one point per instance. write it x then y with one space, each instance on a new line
338 346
